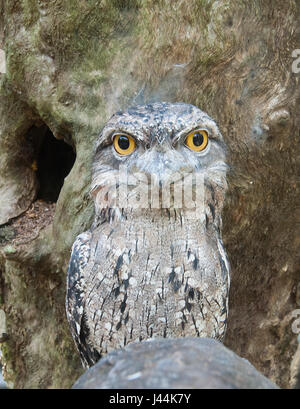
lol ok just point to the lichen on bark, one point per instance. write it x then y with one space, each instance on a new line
69 66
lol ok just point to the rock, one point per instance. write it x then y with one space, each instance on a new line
2 382
184 363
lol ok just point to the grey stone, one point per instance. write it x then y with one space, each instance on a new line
183 363
3 384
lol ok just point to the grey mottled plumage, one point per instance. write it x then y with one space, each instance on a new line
151 272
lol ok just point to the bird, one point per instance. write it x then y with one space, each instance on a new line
151 265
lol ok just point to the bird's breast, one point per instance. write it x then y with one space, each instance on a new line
155 277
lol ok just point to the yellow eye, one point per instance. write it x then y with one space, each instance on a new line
197 140
124 144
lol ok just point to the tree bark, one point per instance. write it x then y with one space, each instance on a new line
69 66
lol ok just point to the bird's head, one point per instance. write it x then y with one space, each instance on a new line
157 148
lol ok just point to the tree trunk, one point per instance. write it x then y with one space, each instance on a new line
69 66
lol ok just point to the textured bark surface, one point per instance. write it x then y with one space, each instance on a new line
69 66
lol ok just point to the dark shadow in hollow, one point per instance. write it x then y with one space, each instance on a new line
53 161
